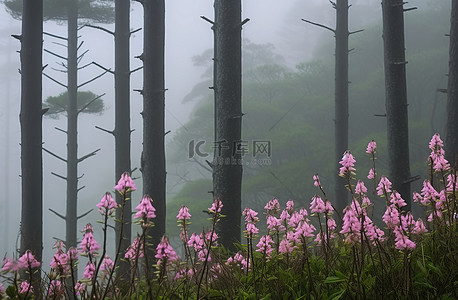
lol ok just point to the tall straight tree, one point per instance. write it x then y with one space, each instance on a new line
31 130
227 165
451 141
153 155
71 10
396 97
122 115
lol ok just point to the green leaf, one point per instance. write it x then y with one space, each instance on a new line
333 279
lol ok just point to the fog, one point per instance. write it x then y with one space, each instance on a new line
187 35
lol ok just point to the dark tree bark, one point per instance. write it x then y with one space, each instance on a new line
451 142
227 165
31 131
396 97
153 155
122 117
341 98
72 124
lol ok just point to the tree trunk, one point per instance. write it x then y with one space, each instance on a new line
72 126
396 97
341 98
227 165
31 131
153 156
451 142
122 118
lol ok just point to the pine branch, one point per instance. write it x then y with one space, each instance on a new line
57 214
55 155
105 130
85 214
88 155
319 25
59 83
89 103
91 80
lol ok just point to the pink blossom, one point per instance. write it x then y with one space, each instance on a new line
416 197
384 186
366 202
372 231
28 260
440 164
348 164
317 205
407 222
316 180
322 236
184 214
436 142
107 265
451 183
89 271
351 224
371 174
125 183
72 254
397 200
60 263
295 219
265 245
286 247
145 209
56 289
131 253
331 224
402 241
196 242
88 244
165 252
107 204
419 227
391 217
303 231
274 223
9 265
290 205
284 216
2 291
371 147
203 255
251 229
428 192
272 206
26 288
213 236
80 287
216 207
250 215
360 188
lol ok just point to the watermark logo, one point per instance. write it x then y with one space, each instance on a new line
242 152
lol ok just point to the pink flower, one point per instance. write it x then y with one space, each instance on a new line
131 253
26 288
107 265
145 209
274 223
286 247
216 207
251 229
371 147
391 217
372 231
272 206
331 224
88 244
203 255
419 227
2 291
60 262
351 224
284 216
80 287
107 204
348 164
429 193
402 241
451 183
56 289
384 186
317 205
125 184
72 254
360 188
396 199
28 260
295 219
436 142
265 245
165 252
371 174
89 271
184 214
250 215
9 265
196 242
316 180
303 231
289 205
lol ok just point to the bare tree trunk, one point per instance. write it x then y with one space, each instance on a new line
451 142
31 131
341 98
72 125
122 118
153 155
396 97
227 165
